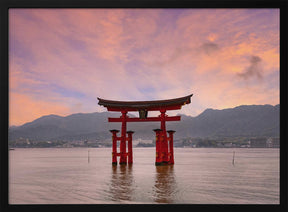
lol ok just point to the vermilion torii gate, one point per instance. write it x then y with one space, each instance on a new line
164 152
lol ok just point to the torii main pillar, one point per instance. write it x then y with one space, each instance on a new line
164 143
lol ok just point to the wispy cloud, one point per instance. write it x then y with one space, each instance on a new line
209 48
254 68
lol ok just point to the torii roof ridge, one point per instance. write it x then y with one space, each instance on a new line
146 104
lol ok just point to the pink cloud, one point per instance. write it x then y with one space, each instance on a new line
134 54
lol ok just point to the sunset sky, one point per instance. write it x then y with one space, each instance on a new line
61 60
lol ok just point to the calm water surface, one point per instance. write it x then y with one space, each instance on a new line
199 176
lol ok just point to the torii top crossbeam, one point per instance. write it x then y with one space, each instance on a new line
168 104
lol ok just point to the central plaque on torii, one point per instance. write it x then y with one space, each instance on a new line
164 142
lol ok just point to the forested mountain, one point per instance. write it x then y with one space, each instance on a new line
246 120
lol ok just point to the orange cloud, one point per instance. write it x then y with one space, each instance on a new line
23 108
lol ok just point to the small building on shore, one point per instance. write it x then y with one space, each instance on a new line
275 142
258 142
264 142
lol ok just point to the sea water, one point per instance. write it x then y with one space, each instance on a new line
199 176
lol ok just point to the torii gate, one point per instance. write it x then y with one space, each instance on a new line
164 152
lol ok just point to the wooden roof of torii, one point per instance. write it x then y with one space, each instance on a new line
168 104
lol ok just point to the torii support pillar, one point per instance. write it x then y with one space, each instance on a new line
158 160
123 154
164 140
171 150
114 146
130 151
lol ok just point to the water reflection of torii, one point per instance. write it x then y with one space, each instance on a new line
164 152
165 184
121 183
122 187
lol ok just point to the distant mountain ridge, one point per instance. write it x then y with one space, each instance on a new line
244 120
